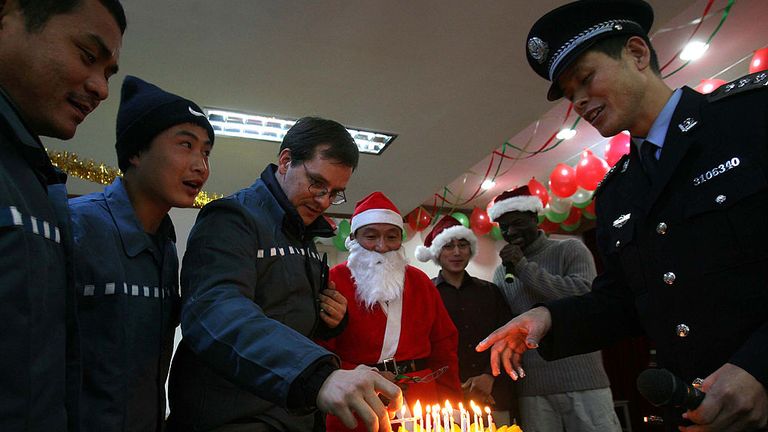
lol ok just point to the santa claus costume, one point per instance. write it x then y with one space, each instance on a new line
397 321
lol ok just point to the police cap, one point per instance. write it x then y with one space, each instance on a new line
560 36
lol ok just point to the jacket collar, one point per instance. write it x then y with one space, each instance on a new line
29 145
683 132
291 221
132 234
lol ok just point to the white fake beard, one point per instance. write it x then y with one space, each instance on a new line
378 277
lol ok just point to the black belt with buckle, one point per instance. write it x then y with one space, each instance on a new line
399 367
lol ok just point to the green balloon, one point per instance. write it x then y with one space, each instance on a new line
557 217
338 241
541 218
461 217
496 233
405 236
344 229
588 215
570 228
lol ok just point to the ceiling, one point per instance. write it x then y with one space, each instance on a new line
448 76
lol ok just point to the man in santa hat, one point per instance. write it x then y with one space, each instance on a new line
397 321
570 394
450 245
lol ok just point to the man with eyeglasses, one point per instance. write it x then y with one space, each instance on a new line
450 245
397 323
570 394
254 293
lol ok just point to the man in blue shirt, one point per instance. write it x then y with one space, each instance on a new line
126 267
255 291
56 57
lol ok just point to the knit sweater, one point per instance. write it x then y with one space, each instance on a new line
549 270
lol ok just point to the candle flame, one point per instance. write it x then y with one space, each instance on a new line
477 410
448 406
487 410
461 406
417 409
429 409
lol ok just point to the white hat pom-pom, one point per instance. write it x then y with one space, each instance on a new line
423 254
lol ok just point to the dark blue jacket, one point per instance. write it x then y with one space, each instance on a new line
685 253
128 301
250 282
39 362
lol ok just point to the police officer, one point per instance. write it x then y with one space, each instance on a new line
681 219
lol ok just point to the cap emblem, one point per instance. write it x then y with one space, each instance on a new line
195 113
538 49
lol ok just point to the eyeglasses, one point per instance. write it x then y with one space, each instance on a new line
318 189
462 245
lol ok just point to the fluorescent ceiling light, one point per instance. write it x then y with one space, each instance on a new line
566 134
266 128
693 51
488 184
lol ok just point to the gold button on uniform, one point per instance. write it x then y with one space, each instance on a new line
683 330
661 228
669 278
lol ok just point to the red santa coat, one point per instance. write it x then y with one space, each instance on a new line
426 332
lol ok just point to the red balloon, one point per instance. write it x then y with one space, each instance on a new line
759 61
617 147
331 222
562 181
590 170
418 219
539 190
589 211
574 217
480 222
548 226
709 85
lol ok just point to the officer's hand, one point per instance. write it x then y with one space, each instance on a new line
511 254
734 401
333 306
350 393
479 387
514 338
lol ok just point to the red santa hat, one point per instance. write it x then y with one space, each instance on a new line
375 208
518 199
447 229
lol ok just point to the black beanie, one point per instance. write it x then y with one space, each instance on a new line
147 110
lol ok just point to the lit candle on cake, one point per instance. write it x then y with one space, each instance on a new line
491 426
417 414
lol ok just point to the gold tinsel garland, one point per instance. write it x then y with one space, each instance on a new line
87 169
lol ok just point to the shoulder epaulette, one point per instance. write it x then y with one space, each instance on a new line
622 163
740 85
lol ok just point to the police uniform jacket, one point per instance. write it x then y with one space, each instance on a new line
126 283
39 362
686 252
250 282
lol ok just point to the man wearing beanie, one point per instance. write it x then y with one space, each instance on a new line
56 58
397 322
450 245
680 219
255 291
126 267
570 394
